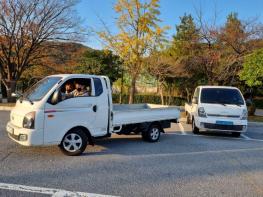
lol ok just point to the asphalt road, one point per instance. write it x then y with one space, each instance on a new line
180 164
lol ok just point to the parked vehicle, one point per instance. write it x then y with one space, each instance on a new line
217 108
45 116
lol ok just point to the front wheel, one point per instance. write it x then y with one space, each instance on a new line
236 134
194 128
152 134
74 142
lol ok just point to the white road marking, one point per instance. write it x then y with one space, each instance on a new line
48 191
245 137
196 153
182 128
210 136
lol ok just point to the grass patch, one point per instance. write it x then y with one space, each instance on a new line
7 104
255 118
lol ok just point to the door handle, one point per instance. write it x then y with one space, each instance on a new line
94 108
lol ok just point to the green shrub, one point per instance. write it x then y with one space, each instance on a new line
258 103
154 99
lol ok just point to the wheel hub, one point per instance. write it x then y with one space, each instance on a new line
72 142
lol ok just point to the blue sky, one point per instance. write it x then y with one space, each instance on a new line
93 11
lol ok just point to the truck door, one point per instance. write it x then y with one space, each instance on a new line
74 111
195 101
102 107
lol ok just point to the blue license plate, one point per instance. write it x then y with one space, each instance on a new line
224 122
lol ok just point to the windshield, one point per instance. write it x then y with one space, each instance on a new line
41 88
222 96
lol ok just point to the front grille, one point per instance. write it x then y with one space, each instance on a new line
223 127
224 116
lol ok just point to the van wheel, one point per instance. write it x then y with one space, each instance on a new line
194 128
74 142
236 134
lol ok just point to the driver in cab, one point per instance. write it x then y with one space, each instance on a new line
80 90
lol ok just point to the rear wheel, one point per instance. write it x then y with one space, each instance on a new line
188 119
194 128
236 134
74 142
152 134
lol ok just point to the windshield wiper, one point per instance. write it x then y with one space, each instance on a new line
225 104
30 101
221 104
23 97
235 104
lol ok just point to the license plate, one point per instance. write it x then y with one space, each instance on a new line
224 122
10 130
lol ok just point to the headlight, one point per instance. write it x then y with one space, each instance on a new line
29 120
201 112
244 115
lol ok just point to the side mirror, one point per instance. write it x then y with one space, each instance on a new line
194 100
56 97
16 94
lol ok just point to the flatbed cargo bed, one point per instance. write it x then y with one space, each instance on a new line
138 113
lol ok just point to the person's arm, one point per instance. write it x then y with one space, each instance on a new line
70 94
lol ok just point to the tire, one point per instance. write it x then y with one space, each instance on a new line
194 128
188 121
76 147
236 134
152 134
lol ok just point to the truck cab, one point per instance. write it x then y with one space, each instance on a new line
217 108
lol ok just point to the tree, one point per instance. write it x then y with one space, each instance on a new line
161 66
187 37
100 63
233 44
187 52
139 33
25 27
252 72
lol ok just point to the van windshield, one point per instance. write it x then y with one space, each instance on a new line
221 96
41 88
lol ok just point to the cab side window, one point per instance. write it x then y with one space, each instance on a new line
72 88
77 87
196 94
98 86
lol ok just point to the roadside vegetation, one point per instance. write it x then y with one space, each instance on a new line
255 118
39 38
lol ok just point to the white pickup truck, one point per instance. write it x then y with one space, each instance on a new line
217 108
45 116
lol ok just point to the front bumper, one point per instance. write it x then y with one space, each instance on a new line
25 137
209 124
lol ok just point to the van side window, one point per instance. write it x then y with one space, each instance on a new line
98 86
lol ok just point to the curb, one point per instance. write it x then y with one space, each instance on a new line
6 108
256 123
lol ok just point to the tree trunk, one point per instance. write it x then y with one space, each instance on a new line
132 90
161 92
121 93
188 95
10 86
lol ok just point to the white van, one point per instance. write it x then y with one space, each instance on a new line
45 116
217 108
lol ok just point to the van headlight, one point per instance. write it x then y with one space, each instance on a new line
244 115
29 120
201 112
